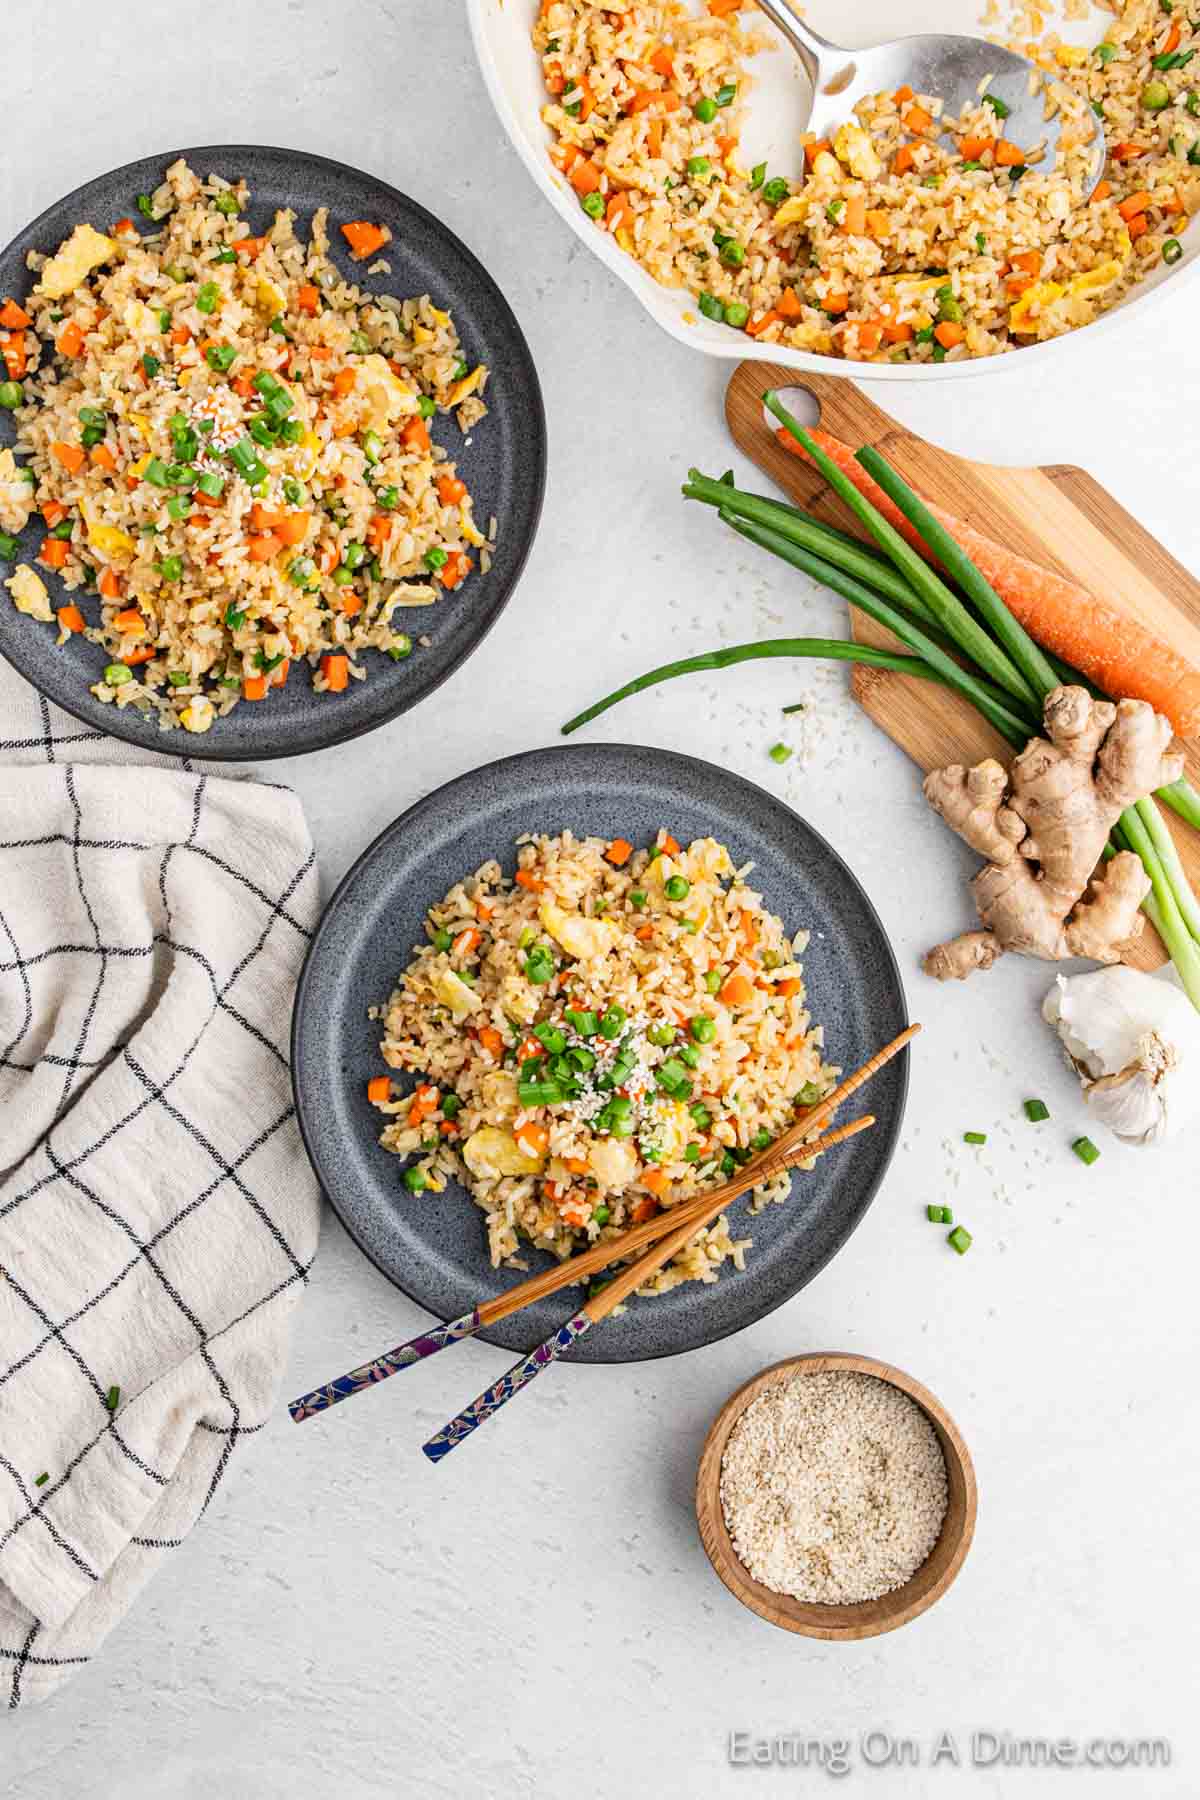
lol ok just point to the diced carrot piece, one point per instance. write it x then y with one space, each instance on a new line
54 512
584 176
655 1180
254 687
320 352
1135 204
1139 226
973 148
787 990
71 619
70 339
587 101
527 879
726 147
131 619
534 1138
903 160
379 530
916 119
16 357
721 9
654 137
577 1165
451 490
835 303
308 298
455 569
125 226
878 222
644 933
294 528
1102 190
54 553
109 584
336 670
555 80
897 333
642 1210
756 327
902 94
854 215
813 150
70 456
415 434
343 383
251 247
262 519
564 155
1028 261
349 603
660 61
789 305
379 1089
868 333
619 852
364 238
180 335
948 333
737 989
491 1040
14 317
263 547
1008 155
103 458
1019 284
467 940
670 845
141 653
448 1128
619 212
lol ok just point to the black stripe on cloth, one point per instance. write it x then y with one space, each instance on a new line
22 1659
69 1075
34 1506
15 1043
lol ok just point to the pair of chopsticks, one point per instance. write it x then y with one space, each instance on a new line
660 1238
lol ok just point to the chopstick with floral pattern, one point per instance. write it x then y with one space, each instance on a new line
578 1269
621 1286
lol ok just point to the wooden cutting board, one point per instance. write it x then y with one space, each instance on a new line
1058 516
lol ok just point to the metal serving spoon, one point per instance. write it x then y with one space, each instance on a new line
947 66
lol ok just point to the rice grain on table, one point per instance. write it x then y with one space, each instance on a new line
833 1487
901 239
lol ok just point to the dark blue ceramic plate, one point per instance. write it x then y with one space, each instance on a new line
434 1247
504 465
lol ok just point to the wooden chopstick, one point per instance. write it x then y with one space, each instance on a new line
523 1372
793 1146
781 1154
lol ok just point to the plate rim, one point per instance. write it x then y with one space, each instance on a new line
346 733
698 768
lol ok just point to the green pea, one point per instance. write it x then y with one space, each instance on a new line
637 899
171 568
776 191
593 205
733 254
1155 96
698 165
677 887
415 1180
9 547
703 1029
435 559
355 554
11 395
441 939
712 980
705 110
661 1035
691 1153
736 314
116 675
712 308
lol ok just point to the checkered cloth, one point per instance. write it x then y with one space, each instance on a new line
157 1214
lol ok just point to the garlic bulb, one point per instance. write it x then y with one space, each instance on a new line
1134 1040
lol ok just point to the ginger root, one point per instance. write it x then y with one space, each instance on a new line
1043 825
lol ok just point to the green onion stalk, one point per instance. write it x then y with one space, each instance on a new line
1008 676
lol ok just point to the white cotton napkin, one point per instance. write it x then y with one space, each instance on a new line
157 1213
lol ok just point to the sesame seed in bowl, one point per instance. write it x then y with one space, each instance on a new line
835 1496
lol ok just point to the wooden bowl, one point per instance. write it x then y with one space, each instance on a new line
864 1618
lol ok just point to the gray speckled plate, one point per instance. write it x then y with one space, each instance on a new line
434 1247
504 463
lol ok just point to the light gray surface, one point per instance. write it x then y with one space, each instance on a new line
536 1616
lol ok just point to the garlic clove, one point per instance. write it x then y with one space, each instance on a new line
1134 1041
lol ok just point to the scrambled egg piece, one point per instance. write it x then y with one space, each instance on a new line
852 146
269 298
670 1128
386 395
455 993
139 321
16 495
1041 295
464 388
29 594
1095 280
198 714
83 251
794 210
1071 56
811 337
578 936
491 1152
106 538
613 1161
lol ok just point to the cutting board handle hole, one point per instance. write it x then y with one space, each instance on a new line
801 403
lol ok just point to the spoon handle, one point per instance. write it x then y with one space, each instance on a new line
807 43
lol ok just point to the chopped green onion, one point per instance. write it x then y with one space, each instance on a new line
113 1399
1036 1111
220 357
151 365
593 205
1085 1150
244 457
372 446
171 568
400 646
426 407
226 202
974 1137
539 966
207 296
210 483
235 618
998 106
758 175
779 753
586 1024
712 308
415 1180
1106 52
435 559
63 529
1172 250
8 546
728 94
145 206
388 498
960 1239
179 506
42 1479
